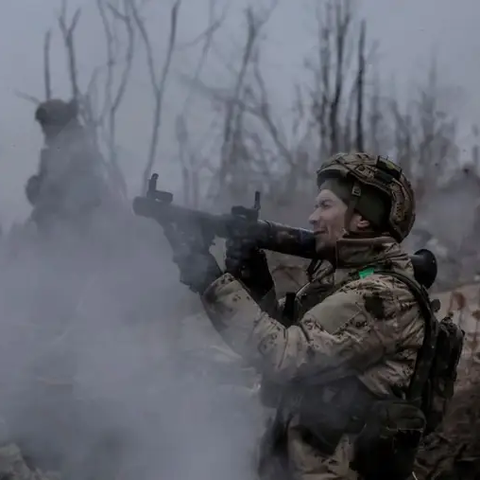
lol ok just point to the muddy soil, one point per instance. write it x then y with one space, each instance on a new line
453 452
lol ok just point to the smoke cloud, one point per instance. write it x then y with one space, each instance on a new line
98 377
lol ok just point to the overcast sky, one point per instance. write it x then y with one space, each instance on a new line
409 32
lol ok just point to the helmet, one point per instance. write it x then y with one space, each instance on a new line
56 112
382 175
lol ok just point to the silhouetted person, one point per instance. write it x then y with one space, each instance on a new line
69 183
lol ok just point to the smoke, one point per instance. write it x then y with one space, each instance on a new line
97 378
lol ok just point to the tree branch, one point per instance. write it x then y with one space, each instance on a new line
158 85
360 144
46 65
67 33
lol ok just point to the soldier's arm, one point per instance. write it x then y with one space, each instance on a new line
347 332
271 305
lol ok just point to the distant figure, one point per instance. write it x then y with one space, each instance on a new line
69 184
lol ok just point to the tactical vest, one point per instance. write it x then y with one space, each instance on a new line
314 292
428 396
310 398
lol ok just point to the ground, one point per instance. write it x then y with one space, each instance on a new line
453 453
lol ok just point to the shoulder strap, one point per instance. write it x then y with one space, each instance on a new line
427 351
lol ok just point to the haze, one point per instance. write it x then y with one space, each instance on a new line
409 33
100 313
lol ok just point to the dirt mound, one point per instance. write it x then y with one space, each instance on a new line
453 452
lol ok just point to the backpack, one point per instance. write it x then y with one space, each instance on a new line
433 382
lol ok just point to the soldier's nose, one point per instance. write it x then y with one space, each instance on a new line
313 218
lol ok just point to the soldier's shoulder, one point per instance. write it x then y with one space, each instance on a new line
379 283
382 295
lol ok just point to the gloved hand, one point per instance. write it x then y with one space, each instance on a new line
197 269
246 262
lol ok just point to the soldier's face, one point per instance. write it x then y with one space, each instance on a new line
328 220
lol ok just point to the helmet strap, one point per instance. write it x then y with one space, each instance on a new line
352 204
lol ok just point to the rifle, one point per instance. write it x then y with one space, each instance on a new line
244 221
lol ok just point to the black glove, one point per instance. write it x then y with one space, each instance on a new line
246 262
198 270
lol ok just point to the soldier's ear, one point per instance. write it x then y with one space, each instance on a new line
359 223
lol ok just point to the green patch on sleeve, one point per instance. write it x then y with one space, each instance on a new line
366 272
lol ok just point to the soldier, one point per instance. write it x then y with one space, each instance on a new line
344 361
69 181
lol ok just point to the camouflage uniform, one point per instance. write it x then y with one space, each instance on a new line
355 340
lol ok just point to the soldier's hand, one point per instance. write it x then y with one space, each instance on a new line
246 262
198 270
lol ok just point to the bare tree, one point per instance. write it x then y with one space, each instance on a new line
68 30
341 109
425 143
375 131
360 90
99 111
231 148
256 146
46 64
192 162
100 100
112 98
158 82
339 91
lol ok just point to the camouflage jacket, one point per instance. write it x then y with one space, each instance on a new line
349 327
